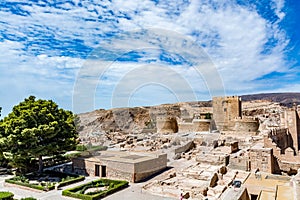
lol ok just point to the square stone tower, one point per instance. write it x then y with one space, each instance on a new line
225 110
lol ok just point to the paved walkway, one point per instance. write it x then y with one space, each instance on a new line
133 192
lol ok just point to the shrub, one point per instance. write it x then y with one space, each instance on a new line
28 198
6 196
81 147
20 180
70 156
78 192
38 187
71 180
97 148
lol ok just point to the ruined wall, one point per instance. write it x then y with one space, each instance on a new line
184 127
239 163
166 125
201 125
262 159
281 138
197 125
189 145
290 120
285 157
213 159
245 125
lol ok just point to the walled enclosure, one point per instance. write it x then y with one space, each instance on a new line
284 141
121 165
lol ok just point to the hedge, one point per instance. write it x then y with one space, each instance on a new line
117 185
71 181
6 196
38 187
81 147
44 188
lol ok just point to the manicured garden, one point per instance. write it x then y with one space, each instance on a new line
6 195
96 189
45 181
9 196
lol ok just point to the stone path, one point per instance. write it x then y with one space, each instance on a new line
135 192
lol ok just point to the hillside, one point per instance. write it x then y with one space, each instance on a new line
134 120
285 99
100 125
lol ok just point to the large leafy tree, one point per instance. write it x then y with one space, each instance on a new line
36 128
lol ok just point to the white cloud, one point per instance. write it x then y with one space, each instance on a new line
43 57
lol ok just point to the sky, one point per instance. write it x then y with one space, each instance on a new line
88 55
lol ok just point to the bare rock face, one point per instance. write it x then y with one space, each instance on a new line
97 125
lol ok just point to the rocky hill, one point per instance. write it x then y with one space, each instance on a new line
134 120
285 99
103 123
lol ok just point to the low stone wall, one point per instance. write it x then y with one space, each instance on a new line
189 145
239 163
246 125
202 125
213 159
262 159
197 125
287 166
185 127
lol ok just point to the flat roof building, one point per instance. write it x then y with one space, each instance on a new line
133 167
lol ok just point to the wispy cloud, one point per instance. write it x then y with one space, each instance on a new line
45 44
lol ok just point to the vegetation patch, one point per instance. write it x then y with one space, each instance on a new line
46 181
6 196
96 189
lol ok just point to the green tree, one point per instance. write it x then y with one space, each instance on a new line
36 128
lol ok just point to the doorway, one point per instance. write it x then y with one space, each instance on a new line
103 171
97 170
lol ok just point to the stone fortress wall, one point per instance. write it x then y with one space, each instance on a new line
227 112
225 115
284 141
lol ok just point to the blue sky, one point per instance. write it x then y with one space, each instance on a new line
86 55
